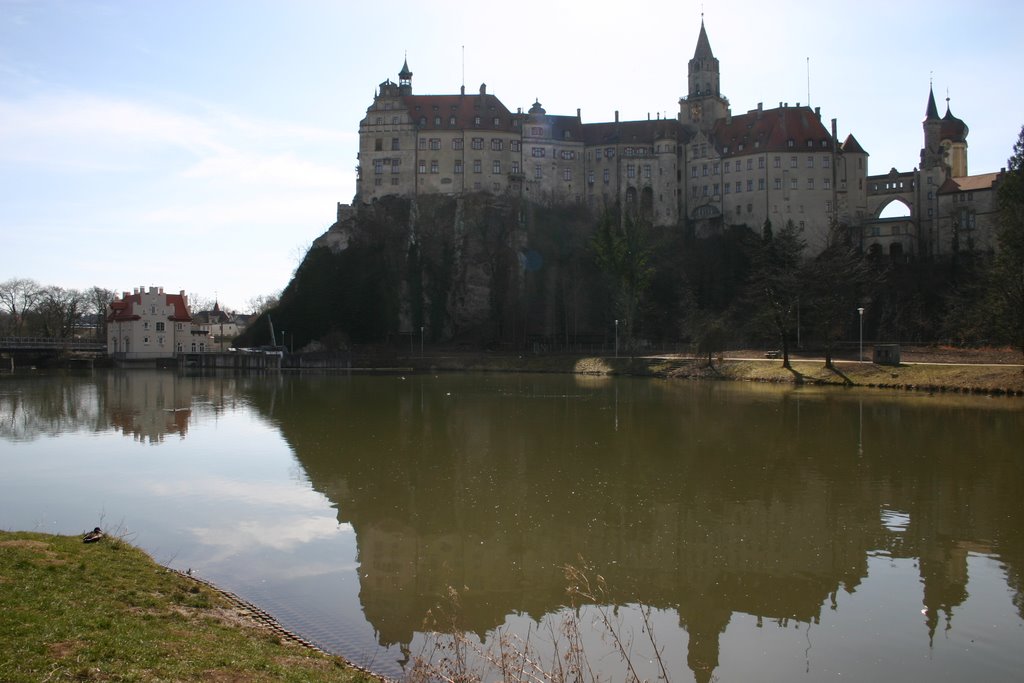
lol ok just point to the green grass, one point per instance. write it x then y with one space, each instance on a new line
71 611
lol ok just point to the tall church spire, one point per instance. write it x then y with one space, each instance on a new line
703 50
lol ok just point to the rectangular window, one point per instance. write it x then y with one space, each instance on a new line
394 180
750 164
715 189
810 162
478 166
597 153
496 144
160 327
694 191
422 143
514 145
647 170
777 162
423 165
828 206
478 143
458 167
378 181
704 191
538 131
435 143
727 164
778 183
693 172
750 185
825 162
607 176
590 177
394 166
515 167
739 186
567 174
704 169
433 166
496 167
537 151
457 143
537 172
760 183
394 144
378 166
715 168
631 171
827 182
378 144
727 186
792 162
810 183
792 183
760 162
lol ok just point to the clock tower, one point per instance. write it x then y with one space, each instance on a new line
704 103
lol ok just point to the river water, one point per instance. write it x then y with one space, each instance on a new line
741 532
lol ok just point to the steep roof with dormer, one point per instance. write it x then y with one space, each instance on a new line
627 132
785 129
426 109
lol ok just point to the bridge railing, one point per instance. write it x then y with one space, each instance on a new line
15 343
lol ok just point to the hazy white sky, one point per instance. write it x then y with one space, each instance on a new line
203 144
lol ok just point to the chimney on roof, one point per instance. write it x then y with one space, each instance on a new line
577 113
797 104
817 112
181 292
616 116
483 88
462 90
160 290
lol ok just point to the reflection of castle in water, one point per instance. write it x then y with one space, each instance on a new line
702 500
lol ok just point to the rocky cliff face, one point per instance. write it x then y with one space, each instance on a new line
477 269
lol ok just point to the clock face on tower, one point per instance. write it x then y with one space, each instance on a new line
695 110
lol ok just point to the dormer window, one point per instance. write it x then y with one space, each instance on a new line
790 142
810 143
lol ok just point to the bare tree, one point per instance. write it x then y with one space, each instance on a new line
58 312
17 297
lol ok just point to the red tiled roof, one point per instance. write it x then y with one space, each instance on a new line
851 146
785 129
465 109
121 309
969 183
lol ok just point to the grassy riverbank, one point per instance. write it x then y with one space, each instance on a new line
959 373
106 611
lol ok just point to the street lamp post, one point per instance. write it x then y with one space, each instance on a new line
860 313
616 337
421 341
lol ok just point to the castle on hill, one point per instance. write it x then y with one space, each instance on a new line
706 169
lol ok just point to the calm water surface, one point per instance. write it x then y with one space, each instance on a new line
774 534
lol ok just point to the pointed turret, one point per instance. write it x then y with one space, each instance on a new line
932 112
405 79
704 103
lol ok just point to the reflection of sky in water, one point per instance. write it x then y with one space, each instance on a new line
227 501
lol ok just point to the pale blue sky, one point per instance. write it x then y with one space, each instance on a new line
203 145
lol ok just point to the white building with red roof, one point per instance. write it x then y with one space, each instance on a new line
149 324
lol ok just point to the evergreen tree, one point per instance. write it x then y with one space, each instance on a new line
1008 272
